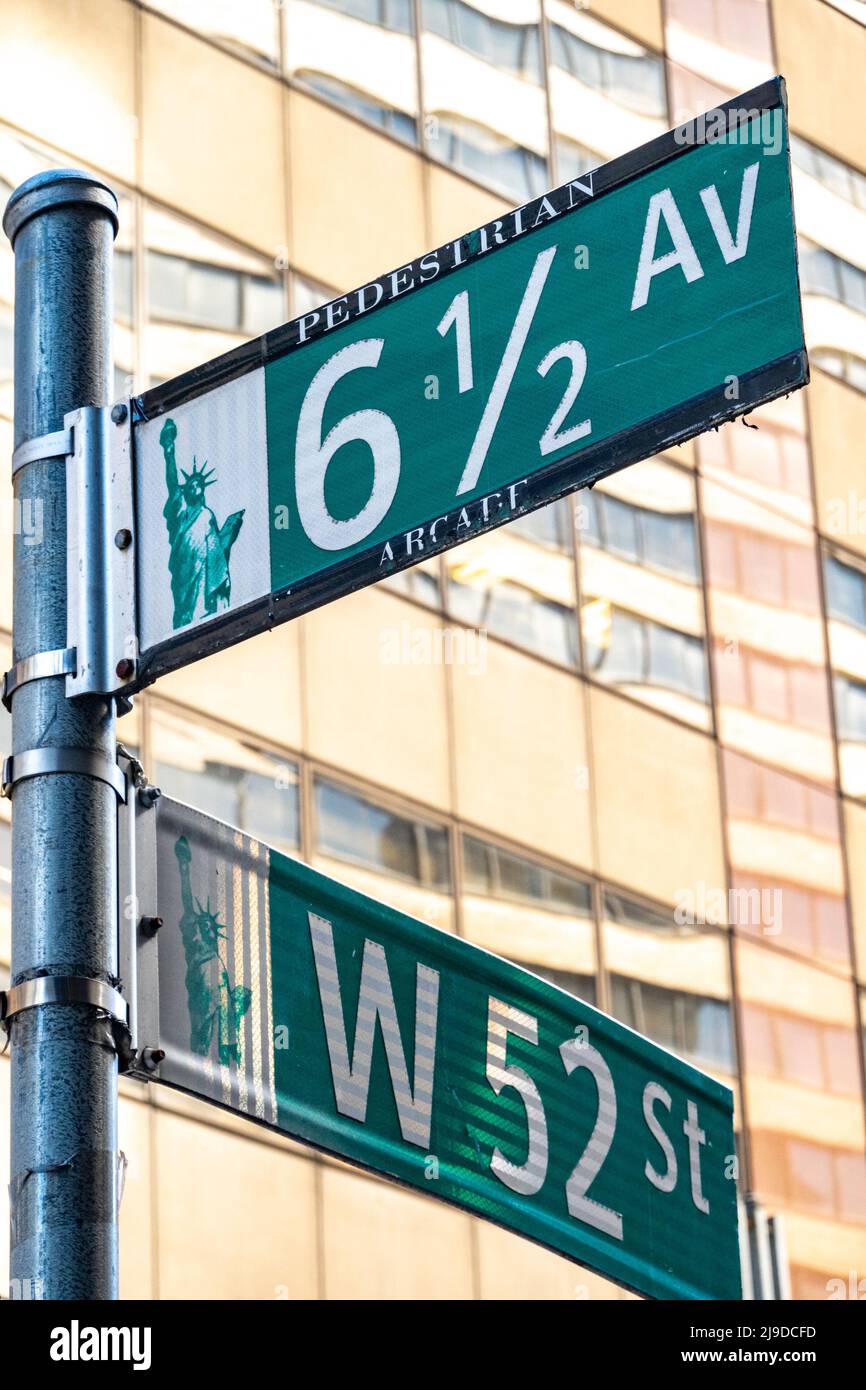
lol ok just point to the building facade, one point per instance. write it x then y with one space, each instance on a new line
621 741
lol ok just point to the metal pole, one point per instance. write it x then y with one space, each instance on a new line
63 1193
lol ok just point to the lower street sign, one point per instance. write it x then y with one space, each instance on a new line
652 298
290 998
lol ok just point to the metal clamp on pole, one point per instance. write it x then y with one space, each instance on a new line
42 448
40 666
62 989
36 762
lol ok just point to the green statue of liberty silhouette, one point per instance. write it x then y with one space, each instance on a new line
200 549
211 1010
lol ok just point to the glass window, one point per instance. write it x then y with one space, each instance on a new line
636 650
227 778
351 828
498 873
516 613
697 1027
581 986
573 159
633 80
823 272
838 177
662 540
846 592
488 156
550 525
850 699
358 54
421 583
361 104
184 290
388 14
515 48
844 365
307 295
123 284
250 28
629 912
486 107
205 294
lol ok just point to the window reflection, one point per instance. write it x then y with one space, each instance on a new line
515 587
847 366
352 828
660 540
634 80
488 156
697 1028
360 55
204 295
228 779
833 173
627 650
508 45
581 986
250 28
420 583
539 916
845 591
642 613
602 82
486 109
574 159
654 964
498 873
823 272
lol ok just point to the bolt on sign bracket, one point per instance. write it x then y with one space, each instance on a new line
137 908
100 570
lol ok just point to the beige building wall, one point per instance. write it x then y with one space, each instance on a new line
664 706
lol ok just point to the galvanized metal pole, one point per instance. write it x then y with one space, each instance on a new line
64 885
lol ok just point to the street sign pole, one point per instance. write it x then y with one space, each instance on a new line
63 1191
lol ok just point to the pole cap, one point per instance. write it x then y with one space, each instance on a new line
56 188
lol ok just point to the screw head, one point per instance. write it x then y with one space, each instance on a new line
123 538
125 668
119 413
151 925
151 1057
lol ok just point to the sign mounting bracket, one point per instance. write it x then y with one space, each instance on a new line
100 571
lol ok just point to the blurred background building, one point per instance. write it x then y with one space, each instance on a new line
670 702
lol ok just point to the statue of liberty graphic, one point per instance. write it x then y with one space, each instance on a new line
200 549
214 1010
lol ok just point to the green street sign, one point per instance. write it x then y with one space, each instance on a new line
300 1003
650 299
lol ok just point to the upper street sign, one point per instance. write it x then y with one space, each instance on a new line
298 1002
617 315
